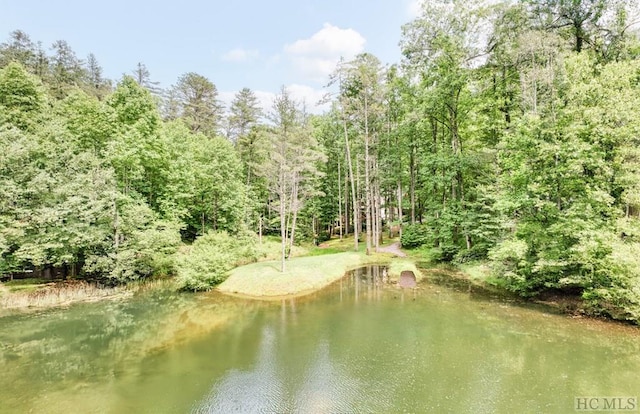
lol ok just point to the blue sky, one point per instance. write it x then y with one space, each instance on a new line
257 44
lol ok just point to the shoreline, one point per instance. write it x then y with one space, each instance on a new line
467 278
61 294
305 275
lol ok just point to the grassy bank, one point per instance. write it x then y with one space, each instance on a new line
310 269
304 275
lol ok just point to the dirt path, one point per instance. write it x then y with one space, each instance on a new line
393 249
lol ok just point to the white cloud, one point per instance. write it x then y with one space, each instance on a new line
317 56
329 42
240 55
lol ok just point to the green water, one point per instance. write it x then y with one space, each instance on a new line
358 346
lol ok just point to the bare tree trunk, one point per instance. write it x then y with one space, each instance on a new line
202 218
283 235
346 207
400 218
378 209
214 220
367 177
353 185
116 226
295 218
399 185
339 200
359 197
289 214
283 220
412 183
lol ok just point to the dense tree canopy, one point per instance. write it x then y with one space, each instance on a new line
508 134
101 189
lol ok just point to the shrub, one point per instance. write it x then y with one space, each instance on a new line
617 295
147 248
509 261
477 252
211 257
323 236
414 235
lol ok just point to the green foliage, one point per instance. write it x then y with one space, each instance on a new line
55 201
559 170
137 152
211 257
415 235
204 182
528 158
145 246
22 97
134 106
78 184
509 261
613 286
19 49
66 70
91 122
620 298
197 103
245 112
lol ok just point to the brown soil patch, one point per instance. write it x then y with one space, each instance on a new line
393 249
407 279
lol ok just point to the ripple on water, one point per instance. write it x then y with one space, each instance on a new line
362 345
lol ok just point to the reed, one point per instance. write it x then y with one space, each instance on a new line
59 294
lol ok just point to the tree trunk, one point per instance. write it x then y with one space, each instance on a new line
346 207
283 234
399 184
289 216
579 35
412 183
294 207
353 185
283 218
400 215
367 183
116 226
361 222
378 210
339 200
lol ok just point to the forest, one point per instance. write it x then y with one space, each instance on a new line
508 134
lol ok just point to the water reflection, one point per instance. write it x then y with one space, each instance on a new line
362 345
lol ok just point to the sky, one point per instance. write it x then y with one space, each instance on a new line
262 45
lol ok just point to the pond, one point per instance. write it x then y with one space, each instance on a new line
360 345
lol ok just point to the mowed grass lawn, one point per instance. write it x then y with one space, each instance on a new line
304 274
